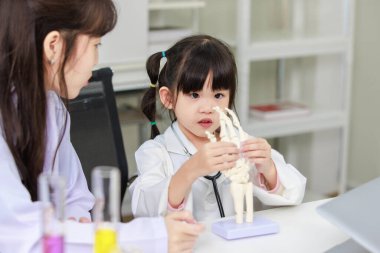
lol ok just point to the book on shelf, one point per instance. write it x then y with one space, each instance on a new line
279 110
167 34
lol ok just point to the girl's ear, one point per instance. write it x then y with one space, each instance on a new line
53 45
166 97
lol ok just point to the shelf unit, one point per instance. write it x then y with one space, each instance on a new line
298 44
164 14
175 5
127 47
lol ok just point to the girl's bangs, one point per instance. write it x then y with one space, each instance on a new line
194 75
196 70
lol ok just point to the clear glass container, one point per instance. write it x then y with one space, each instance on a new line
51 192
106 188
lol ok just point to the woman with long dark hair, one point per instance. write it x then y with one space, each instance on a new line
47 50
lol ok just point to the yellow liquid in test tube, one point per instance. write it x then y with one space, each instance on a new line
105 241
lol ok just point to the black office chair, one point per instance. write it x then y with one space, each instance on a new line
95 128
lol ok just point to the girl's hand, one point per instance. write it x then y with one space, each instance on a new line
214 157
210 158
183 231
258 152
81 219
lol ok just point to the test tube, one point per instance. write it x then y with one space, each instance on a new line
106 212
51 192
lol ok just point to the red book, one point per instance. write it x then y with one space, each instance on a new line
279 110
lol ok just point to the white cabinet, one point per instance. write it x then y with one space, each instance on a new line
299 50
128 46
169 21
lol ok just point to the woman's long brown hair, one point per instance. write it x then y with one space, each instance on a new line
24 26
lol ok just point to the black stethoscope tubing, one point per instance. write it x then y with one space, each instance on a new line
216 191
211 178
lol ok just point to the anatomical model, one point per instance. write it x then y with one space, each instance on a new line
241 186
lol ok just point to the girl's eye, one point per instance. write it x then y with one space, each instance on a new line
97 45
194 95
219 95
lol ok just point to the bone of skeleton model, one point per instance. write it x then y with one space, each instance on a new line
239 175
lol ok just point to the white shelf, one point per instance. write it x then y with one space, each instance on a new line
175 5
316 121
129 75
325 31
295 48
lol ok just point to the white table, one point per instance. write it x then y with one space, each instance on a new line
302 229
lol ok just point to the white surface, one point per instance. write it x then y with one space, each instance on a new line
301 230
143 235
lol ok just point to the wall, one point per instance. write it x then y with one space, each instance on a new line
364 149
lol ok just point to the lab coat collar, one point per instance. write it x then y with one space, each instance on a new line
174 145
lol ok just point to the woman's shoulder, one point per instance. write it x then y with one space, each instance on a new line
56 109
53 99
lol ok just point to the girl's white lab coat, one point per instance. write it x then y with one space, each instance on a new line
158 160
20 223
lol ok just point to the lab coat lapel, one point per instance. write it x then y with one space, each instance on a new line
173 145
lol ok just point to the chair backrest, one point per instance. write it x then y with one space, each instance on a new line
95 127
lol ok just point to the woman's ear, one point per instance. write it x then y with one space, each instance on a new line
52 47
166 97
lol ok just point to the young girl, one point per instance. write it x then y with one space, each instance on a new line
47 50
199 74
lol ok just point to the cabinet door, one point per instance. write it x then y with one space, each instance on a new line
128 41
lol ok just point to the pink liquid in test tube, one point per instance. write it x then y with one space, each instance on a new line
53 244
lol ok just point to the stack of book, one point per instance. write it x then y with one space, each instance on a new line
279 110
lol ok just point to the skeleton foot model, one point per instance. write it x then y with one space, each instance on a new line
239 175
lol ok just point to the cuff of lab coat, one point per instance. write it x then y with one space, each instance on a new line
261 183
181 207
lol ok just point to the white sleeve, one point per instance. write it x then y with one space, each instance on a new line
150 189
79 200
142 234
292 184
17 211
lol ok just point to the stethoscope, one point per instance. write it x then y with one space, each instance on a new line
211 178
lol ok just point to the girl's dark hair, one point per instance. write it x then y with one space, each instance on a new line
24 26
188 64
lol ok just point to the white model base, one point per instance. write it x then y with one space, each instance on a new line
229 229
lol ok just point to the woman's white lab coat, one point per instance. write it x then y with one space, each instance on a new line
158 160
20 218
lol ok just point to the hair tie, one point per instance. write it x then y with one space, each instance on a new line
152 85
163 54
152 123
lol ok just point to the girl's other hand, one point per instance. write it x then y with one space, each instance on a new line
258 152
183 231
84 220
81 219
214 157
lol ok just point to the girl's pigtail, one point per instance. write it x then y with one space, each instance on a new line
148 103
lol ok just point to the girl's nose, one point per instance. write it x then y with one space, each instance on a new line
206 108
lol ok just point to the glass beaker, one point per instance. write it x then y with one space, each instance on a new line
106 212
52 194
